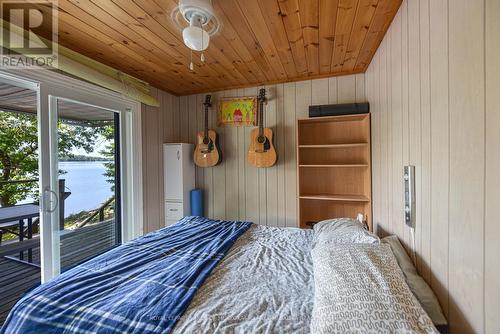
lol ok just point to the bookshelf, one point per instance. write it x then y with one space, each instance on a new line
334 168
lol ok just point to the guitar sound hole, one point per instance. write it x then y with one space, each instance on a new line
266 145
209 145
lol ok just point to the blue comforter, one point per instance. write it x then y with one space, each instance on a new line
143 286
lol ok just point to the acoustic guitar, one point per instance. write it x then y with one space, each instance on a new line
261 152
207 152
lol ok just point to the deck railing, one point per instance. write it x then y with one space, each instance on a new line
102 234
99 211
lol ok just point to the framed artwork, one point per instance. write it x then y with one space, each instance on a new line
238 111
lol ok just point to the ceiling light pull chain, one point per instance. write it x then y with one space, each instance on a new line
191 66
202 58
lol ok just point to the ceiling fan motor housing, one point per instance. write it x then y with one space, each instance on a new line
200 8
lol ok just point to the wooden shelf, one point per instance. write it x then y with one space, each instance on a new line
335 145
335 166
338 198
333 161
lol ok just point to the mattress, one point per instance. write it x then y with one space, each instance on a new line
264 284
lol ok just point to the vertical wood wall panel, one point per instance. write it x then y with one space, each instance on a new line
320 89
425 140
414 113
289 155
492 181
439 194
397 125
432 87
388 143
383 144
219 171
406 102
176 117
360 88
373 88
162 130
346 89
280 146
271 174
184 118
332 90
466 52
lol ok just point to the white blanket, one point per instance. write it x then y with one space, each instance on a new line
263 285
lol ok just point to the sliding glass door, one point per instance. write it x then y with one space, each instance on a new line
76 150
70 176
87 160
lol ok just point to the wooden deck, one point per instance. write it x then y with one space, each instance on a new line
16 278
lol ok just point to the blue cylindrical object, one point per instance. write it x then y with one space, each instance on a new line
197 202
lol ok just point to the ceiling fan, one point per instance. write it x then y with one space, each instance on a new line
197 21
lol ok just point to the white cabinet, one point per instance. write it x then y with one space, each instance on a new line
173 172
179 180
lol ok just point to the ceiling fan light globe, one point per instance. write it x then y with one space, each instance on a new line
195 38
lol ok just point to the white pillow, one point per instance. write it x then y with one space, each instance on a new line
342 231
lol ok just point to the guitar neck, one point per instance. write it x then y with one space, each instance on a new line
261 118
206 121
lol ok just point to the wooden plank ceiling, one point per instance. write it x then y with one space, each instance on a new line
262 41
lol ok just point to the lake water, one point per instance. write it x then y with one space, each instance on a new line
87 184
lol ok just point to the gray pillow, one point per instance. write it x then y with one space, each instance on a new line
417 285
359 288
342 231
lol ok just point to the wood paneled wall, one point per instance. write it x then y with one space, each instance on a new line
236 190
432 86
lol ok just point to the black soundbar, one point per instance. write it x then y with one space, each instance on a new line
339 109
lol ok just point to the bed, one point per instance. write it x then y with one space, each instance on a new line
209 276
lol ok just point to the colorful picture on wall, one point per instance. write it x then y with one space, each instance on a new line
238 111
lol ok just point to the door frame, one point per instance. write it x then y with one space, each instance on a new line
51 86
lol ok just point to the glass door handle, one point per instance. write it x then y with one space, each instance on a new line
48 201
